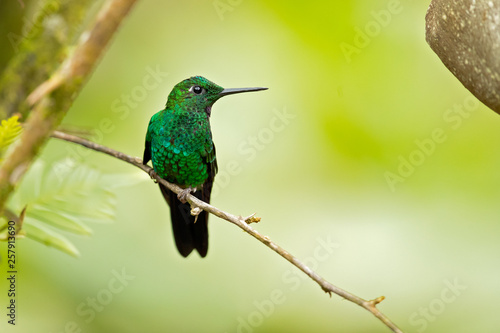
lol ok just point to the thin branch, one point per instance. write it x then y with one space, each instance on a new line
53 98
370 305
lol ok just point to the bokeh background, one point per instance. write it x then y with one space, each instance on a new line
318 157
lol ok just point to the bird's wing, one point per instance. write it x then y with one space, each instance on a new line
147 145
211 161
147 153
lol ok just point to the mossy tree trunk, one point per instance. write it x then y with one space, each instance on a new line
39 48
46 74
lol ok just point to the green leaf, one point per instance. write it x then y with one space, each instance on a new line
80 194
76 196
59 219
9 131
66 197
37 231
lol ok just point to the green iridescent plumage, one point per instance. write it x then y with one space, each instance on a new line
179 144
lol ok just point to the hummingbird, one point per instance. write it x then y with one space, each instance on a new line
179 144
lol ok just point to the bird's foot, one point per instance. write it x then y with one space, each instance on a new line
152 173
196 211
184 193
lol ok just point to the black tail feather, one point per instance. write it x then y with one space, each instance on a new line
188 234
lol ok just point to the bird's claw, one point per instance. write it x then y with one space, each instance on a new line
184 193
153 175
196 211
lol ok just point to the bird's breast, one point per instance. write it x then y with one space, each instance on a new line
180 150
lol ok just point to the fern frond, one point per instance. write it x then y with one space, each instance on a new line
9 131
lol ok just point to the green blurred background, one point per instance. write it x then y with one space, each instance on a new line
429 242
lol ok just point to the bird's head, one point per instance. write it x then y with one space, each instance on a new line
199 94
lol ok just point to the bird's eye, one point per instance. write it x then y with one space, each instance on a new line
197 90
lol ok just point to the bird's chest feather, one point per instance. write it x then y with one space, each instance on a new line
181 146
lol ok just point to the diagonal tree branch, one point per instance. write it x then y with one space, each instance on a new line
53 98
243 223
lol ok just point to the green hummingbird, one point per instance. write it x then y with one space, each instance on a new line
179 144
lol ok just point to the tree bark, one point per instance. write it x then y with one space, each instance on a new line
39 50
465 34
53 98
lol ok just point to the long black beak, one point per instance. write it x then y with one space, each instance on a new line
231 91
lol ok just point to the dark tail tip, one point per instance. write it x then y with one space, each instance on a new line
188 234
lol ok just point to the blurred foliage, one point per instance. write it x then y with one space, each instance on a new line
65 198
9 131
317 176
